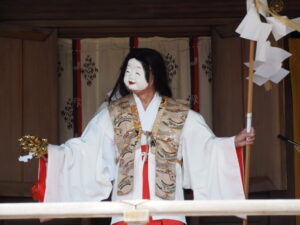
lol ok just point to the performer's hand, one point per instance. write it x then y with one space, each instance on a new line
244 138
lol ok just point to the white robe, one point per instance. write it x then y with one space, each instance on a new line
83 168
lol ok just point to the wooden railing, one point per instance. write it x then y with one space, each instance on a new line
140 210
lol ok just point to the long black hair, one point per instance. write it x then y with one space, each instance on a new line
152 61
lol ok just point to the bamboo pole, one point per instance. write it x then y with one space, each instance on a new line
249 119
155 208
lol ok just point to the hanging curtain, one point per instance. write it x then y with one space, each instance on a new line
66 101
294 48
176 55
88 70
205 78
101 60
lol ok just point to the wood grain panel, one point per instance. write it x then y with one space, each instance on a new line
227 85
230 92
16 189
11 30
118 9
117 18
83 32
103 23
40 93
11 109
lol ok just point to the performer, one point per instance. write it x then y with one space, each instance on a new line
145 145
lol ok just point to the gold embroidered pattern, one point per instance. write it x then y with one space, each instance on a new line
164 141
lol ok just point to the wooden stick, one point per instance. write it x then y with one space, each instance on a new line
249 119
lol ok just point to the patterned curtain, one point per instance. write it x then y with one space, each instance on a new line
88 70
176 53
66 100
205 78
100 67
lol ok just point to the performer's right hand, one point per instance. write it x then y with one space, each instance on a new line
244 138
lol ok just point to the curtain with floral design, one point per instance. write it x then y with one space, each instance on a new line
205 78
66 100
88 70
101 60
176 54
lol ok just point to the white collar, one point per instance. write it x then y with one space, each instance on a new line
147 117
155 102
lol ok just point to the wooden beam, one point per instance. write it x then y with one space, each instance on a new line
11 30
20 10
125 28
83 32
128 22
15 189
119 9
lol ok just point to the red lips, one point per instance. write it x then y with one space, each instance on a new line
131 83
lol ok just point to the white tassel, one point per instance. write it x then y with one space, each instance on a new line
25 158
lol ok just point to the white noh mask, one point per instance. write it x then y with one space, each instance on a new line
135 77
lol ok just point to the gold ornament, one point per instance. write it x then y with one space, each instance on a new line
276 5
282 19
34 144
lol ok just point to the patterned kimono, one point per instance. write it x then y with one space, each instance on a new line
83 168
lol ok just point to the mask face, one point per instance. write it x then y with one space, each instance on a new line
135 77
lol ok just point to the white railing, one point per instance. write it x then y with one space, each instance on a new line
139 211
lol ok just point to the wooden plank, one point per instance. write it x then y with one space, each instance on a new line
227 84
127 22
11 109
40 94
118 9
125 28
11 30
133 31
16 189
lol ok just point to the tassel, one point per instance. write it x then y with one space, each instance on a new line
39 187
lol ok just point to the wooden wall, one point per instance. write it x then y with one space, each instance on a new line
102 18
91 18
28 103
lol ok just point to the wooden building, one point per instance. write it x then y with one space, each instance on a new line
29 34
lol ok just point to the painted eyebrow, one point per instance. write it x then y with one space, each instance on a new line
138 67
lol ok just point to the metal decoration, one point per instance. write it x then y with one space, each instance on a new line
35 145
276 5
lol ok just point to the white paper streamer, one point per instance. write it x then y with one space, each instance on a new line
25 158
268 59
252 28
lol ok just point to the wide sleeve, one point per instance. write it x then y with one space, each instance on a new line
210 166
82 168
